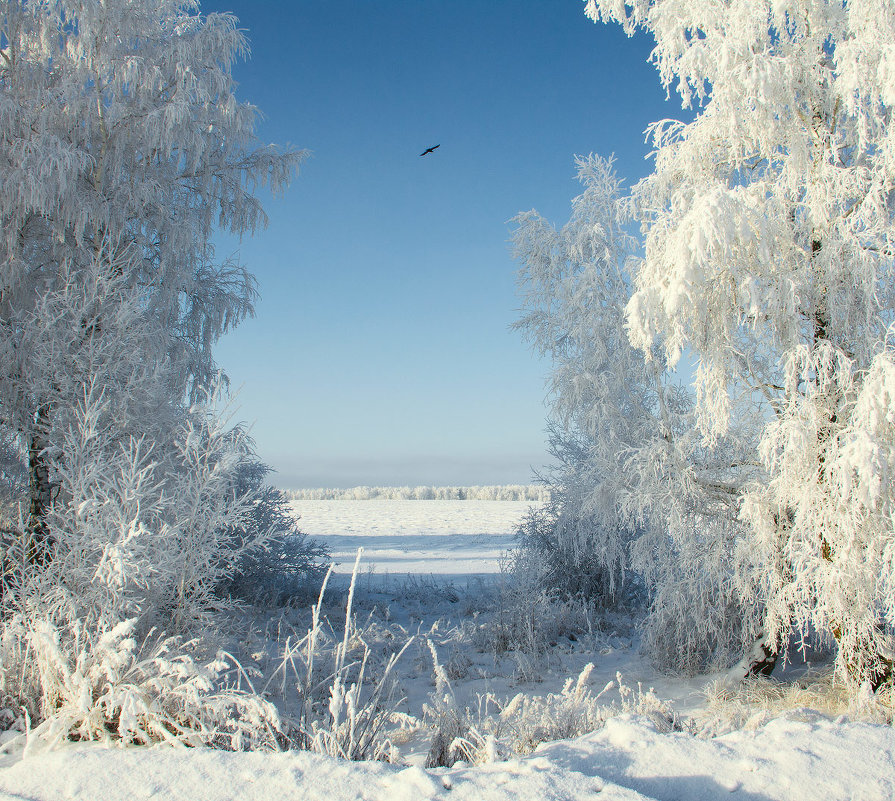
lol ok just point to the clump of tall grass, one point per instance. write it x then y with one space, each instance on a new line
338 701
751 703
503 728
107 687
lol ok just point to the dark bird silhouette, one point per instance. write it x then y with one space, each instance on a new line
429 150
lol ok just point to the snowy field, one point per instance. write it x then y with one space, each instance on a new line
414 537
434 574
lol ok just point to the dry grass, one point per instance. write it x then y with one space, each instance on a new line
757 700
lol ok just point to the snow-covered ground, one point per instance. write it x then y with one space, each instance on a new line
626 760
633 751
423 537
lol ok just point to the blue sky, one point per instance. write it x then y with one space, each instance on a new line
381 351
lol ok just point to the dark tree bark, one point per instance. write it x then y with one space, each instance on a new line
763 657
40 491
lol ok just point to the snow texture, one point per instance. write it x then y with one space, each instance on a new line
788 759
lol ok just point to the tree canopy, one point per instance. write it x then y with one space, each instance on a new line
767 230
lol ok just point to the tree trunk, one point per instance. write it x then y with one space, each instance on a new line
763 657
884 664
759 660
882 675
40 490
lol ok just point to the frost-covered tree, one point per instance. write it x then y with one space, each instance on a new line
635 489
769 225
604 395
122 148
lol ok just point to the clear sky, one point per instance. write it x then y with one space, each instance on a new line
381 351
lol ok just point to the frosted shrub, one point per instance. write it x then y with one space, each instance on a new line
692 627
559 549
329 694
558 580
285 564
680 580
19 680
141 528
139 538
110 688
284 570
531 621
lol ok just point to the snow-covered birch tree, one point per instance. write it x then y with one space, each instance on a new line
635 490
769 225
122 148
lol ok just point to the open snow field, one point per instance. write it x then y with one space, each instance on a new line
434 575
414 537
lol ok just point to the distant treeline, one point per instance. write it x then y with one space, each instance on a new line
509 492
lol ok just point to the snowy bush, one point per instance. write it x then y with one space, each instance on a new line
139 535
532 618
285 566
562 549
328 691
141 529
105 687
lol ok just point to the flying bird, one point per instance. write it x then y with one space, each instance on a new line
429 150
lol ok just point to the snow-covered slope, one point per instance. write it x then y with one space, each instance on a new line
787 759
